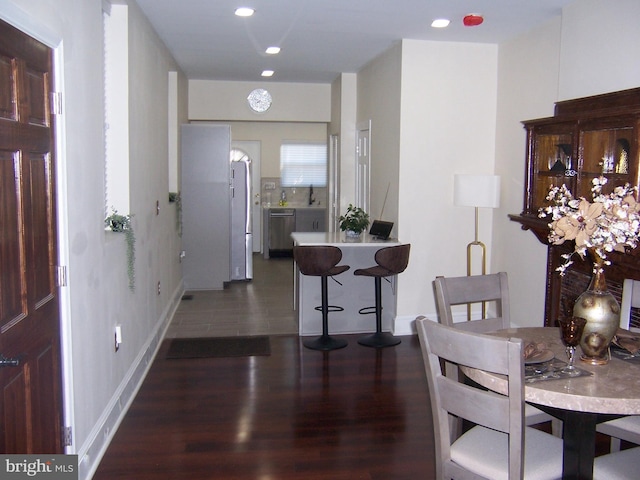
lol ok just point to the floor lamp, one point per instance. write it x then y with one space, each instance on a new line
476 191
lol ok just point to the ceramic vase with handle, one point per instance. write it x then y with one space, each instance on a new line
602 312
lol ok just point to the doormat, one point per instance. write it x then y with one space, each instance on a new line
219 347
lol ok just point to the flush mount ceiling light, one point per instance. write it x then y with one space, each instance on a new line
440 23
272 50
267 73
259 100
244 11
472 20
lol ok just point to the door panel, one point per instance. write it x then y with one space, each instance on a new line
31 408
363 167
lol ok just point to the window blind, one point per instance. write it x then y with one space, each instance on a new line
303 164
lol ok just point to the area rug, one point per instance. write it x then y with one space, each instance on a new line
218 347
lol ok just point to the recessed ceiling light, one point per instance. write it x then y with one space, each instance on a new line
267 73
244 11
272 50
440 23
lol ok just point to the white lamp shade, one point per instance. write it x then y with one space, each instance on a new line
476 191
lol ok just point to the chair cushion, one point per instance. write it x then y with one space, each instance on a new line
626 428
376 271
619 465
485 452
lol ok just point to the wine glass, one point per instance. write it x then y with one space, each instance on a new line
571 329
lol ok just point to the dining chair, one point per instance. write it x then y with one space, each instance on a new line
625 428
499 445
630 299
494 290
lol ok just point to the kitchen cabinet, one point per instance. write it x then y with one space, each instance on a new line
310 219
586 138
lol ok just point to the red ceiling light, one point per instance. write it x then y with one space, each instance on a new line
472 20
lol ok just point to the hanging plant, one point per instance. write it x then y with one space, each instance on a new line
175 197
122 224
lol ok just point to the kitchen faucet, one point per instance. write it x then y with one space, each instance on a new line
311 197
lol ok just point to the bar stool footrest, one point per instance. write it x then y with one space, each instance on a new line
367 310
330 308
379 340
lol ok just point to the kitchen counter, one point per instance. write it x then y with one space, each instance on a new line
339 239
291 205
356 292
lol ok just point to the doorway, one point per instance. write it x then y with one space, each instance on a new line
252 149
363 165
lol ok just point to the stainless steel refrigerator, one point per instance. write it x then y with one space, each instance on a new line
216 209
206 206
241 234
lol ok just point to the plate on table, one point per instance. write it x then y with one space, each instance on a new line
539 357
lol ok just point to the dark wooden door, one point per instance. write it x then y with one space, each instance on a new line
31 402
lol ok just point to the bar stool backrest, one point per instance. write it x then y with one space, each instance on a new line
394 259
318 260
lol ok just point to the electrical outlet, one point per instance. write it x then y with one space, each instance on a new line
269 185
118 337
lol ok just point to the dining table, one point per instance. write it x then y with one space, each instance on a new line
600 393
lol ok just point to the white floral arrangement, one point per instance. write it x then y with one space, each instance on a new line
609 223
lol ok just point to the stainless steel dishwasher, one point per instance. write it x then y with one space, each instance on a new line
282 222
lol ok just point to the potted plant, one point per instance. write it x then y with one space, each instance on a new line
354 222
122 224
175 197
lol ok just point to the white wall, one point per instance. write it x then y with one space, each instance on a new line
528 88
344 101
101 381
600 47
292 102
447 127
433 107
271 135
592 49
379 84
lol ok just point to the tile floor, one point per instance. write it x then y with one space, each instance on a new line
262 306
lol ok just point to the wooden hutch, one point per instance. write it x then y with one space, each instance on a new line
586 138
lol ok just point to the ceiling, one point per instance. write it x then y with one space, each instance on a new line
322 38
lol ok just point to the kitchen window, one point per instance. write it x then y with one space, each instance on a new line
303 164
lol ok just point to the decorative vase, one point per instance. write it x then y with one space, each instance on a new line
602 312
352 234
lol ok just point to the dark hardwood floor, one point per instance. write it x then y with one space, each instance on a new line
354 413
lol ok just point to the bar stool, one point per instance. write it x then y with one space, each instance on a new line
390 261
322 261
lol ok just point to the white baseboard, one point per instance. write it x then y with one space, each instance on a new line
91 452
406 325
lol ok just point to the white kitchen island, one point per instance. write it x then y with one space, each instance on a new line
356 292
